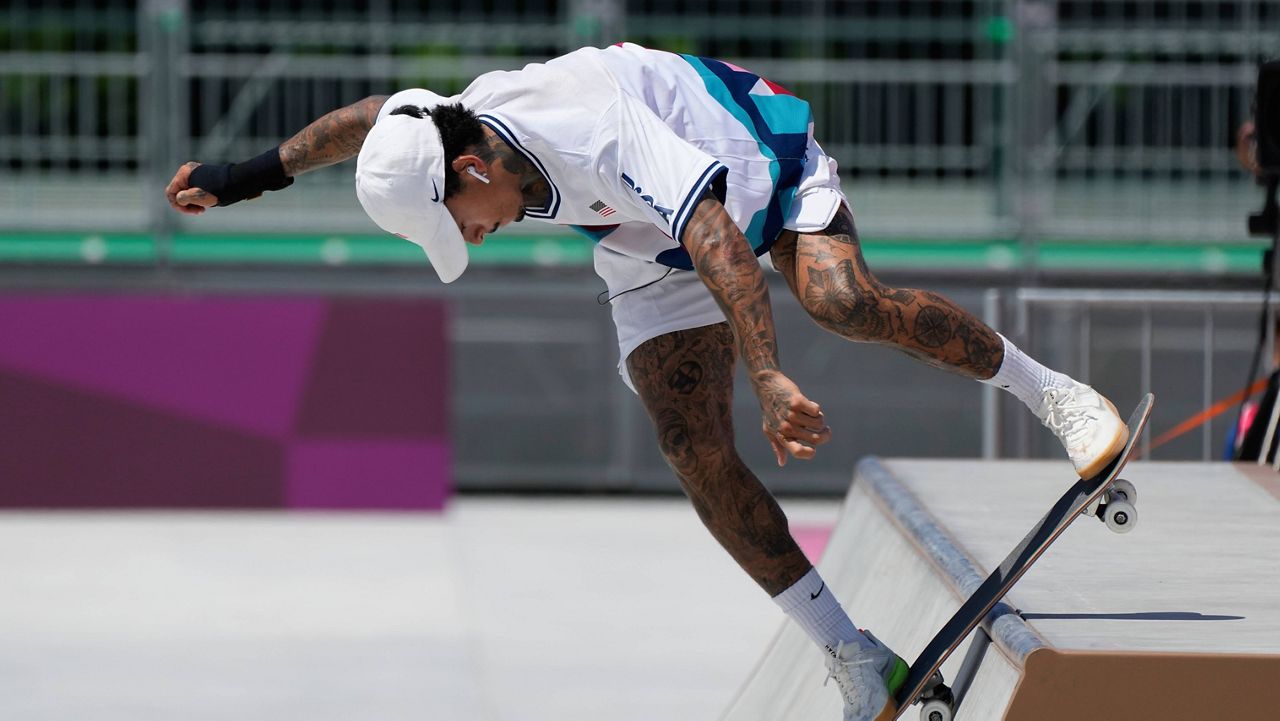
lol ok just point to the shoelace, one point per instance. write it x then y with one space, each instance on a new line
1065 415
839 662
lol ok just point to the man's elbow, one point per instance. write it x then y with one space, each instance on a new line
369 107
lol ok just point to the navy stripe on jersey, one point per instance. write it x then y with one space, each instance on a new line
712 178
552 207
691 200
787 142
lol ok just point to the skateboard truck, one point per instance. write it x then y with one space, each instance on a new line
1117 508
938 703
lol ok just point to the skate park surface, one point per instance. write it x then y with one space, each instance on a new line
1177 619
499 609
534 609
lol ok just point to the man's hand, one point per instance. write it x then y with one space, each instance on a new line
1247 148
334 137
728 267
792 423
184 198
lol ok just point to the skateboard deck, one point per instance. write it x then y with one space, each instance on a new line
1083 495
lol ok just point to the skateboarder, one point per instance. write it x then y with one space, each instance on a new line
683 171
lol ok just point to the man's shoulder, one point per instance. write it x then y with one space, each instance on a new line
555 109
576 74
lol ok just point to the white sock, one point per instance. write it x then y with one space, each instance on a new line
1022 376
812 605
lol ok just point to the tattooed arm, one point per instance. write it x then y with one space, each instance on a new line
729 268
333 138
725 262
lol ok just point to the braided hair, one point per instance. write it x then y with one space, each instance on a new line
459 129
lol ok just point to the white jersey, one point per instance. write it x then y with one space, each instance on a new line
630 138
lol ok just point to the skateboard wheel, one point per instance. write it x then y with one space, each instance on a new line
1126 489
1120 516
935 710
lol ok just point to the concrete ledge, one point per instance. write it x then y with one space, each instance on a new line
877 569
957 568
1176 621
1162 686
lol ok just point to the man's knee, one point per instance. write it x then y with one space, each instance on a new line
849 303
698 454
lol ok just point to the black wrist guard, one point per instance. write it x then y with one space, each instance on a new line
241 181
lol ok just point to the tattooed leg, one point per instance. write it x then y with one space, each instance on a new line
827 273
685 380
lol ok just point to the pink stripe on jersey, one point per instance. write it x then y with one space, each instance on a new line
776 87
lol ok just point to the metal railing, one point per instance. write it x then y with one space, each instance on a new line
994 118
1189 347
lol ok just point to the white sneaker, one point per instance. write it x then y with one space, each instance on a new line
1086 423
867 678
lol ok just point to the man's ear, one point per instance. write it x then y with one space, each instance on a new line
462 162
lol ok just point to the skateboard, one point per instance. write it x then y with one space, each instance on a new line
1110 499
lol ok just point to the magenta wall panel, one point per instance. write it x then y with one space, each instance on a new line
223 402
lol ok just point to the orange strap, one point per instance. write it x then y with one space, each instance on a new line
1209 413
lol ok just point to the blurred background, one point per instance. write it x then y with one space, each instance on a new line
1063 168
990 149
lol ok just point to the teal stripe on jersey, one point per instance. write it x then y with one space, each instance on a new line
778 122
596 233
716 87
784 113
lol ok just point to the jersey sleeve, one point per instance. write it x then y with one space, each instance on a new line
656 173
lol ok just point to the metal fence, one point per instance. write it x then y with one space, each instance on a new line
540 402
1021 119
1191 348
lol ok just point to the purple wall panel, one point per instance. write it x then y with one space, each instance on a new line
63 447
156 401
381 474
347 394
248 355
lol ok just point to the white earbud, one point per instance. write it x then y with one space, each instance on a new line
475 174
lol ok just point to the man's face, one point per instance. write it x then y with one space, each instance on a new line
481 208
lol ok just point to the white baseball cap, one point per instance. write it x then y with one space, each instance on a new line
400 183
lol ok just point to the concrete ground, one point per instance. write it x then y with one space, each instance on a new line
499 610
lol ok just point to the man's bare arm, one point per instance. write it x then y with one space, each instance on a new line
331 139
725 262
727 266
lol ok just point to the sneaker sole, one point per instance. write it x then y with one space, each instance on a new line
897 677
890 710
1113 450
